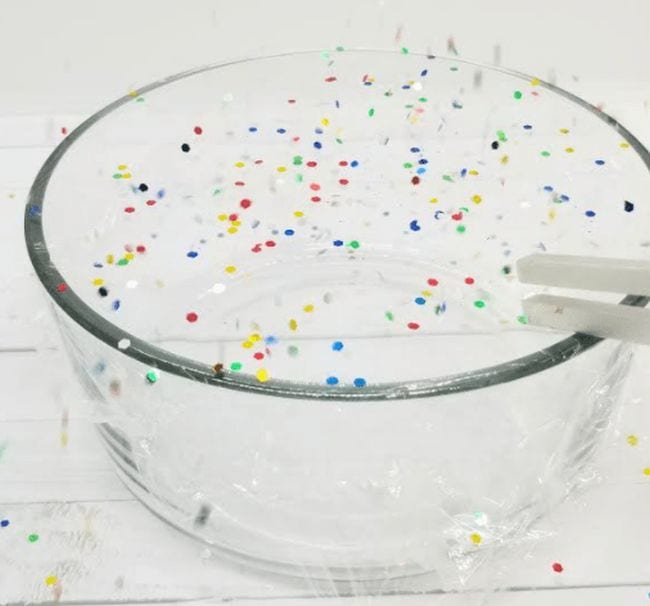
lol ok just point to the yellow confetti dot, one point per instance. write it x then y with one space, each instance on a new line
98 282
325 122
51 580
646 471
262 375
255 337
569 150
122 167
426 293
504 159
240 164
308 308
298 214
552 214
477 199
110 259
293 325
247 344
129 256
434 200
126 175
564 131
230 269
232 230
535 82
473 172
222 217
632 440
476 538
624 145
281 169
235 223
133 93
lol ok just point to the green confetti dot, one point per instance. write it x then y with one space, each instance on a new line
546 154
501 136
407 165
517 94
293 351
297 160
117 176
299 178
339 141
216 192
447 178
354 244
152 376
123 262
423 99
371 112
139 99
461 229
390 316
235 366
32 538
405 51
479 303
339 48
522 319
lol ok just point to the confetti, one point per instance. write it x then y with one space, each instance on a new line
557 567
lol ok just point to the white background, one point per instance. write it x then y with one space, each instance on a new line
62 60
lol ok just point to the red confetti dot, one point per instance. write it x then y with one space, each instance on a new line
64 130
413 325
457 216
258 355
240 183
432 282
129 209
198 130
343 181
557 567
192 317
257 248
315 199
232 217
415 180
330 79
270 243
314 186
150 202
141 248
291 101
245 203
311 164
343 163
61 287
469 280
295 139
259 161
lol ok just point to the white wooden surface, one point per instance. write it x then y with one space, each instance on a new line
105 547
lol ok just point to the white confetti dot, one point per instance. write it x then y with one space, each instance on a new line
218 288
131 283
124 344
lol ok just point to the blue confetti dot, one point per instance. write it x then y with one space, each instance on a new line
359 382
424 72
354 163
367 83
420 300
34 211
332 380
98 265
415 150
281 131
318 131
4 523
528 126
100 367
252 129
628 207
116 304
421 170
405 87
414 225
599 162
271 340
161 193
548 188
590 213
423 161
192 254
318 144
337 346
289 232
463 172
338 242
565 198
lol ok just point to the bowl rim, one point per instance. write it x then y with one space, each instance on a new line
99 327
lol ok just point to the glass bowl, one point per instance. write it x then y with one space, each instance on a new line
289 285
